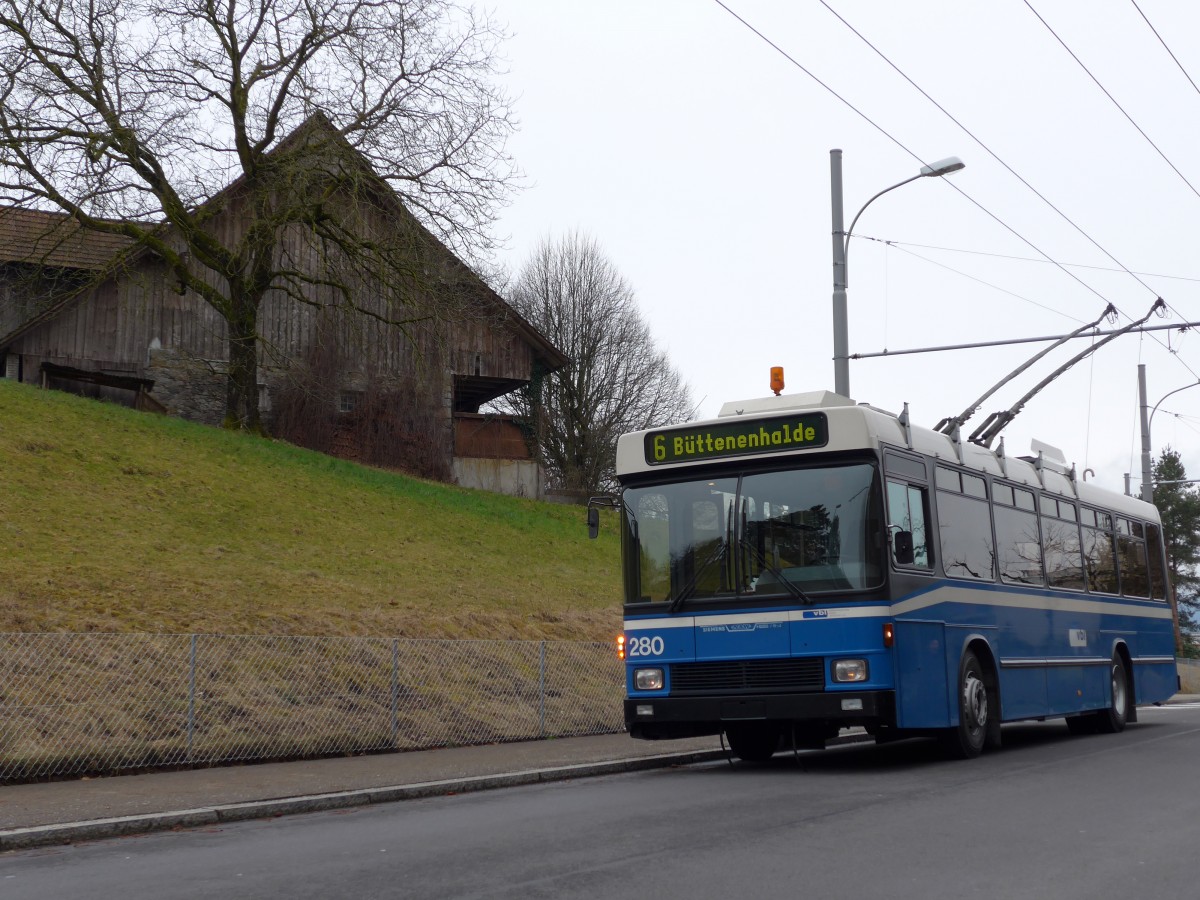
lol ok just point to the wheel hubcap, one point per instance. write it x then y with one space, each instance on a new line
1118 689
975 701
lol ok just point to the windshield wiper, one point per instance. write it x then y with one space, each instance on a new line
687 590
744 543
792 588
721 555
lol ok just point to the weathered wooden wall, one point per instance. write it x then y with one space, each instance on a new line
494 437
433 326
113 326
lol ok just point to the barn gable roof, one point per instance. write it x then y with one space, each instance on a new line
56 240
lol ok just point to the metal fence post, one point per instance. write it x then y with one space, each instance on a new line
542 689
191 714
395 692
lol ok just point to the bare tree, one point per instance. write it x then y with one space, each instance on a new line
618 381
164 121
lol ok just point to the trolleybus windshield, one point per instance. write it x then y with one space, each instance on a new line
790 533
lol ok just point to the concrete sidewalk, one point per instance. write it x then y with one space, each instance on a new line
60 812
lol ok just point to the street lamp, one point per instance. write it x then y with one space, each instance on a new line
841 245
1147 421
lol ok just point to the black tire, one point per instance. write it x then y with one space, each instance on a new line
966 740
753 741
1113 719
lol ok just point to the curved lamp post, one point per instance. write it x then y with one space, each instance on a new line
841 245
1147 421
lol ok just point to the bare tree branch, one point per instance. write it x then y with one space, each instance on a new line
619 380
162 121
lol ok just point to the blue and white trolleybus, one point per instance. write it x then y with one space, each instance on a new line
803 564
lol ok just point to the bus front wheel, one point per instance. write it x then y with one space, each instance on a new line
966 740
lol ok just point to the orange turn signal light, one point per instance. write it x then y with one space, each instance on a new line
620 646
889 634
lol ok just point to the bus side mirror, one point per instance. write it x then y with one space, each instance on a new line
606 500
902 548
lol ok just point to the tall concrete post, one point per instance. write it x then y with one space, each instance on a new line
841 327
1147 493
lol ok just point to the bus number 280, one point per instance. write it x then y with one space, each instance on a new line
646 646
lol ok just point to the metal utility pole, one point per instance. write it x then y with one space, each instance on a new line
841 244
1142 329
841 328
1147 478
1147 422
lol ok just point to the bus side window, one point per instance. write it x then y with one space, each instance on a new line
1157 577
1131 559
906 513
1100 556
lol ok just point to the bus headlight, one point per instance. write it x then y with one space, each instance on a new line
849 670
648 679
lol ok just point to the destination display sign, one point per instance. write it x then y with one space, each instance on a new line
739 438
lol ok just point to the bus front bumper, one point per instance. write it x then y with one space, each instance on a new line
658 718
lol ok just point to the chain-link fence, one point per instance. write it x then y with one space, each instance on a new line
97 703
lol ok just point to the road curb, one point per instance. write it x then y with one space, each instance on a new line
124 826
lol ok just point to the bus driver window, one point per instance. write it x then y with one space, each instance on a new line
906 514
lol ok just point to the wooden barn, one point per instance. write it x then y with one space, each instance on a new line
94 314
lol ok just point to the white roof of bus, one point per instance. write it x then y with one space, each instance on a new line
861 426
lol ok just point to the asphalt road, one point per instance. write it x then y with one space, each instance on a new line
1049 816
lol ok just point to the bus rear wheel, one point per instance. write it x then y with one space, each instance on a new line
753 741
1113 719
966 740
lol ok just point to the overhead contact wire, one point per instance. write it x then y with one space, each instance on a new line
896 243
1122 109
1165 47
1096 81
761 36
897 142
1023 181
989 151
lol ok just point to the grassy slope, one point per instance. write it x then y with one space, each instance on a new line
114 520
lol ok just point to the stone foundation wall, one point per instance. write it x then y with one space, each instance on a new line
187 386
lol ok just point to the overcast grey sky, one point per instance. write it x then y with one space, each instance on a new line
697 155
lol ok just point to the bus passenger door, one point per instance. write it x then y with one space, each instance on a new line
922 688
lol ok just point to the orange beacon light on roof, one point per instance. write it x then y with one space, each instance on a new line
777 379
